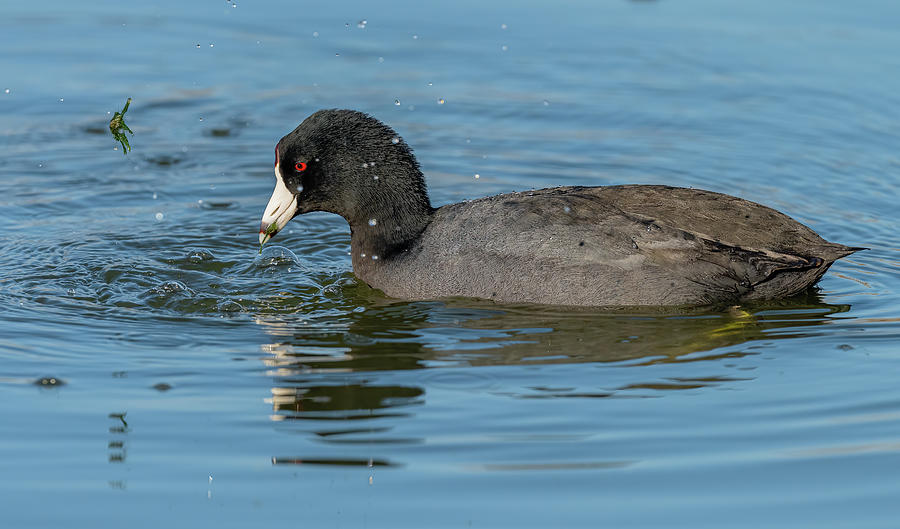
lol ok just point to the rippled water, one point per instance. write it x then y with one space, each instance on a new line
155 369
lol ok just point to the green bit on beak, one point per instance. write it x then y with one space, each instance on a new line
118 127
271 230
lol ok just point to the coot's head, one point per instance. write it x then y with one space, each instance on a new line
349 163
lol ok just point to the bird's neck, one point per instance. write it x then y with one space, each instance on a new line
386 226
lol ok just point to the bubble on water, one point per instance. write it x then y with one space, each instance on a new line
503 26
430 84
315 34
477 176
274 256
347 25
362 24
200 255
159 215
395 140
397 102
49 382
169 288
201 118
61 100
211 45
504 47
198 45
415 37
440 101
7 90
337 54
381 59
546 103
373 222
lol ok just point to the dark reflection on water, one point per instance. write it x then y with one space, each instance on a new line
421 335
326 375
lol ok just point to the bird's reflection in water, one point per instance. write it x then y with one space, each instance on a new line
344 383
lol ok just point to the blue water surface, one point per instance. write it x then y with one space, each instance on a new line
156 371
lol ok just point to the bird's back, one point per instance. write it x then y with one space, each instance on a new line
616 245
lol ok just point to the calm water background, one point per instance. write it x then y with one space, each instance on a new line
198 383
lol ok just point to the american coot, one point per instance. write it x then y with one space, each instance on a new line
602 246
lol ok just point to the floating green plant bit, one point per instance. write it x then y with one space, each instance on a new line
270 231
118 127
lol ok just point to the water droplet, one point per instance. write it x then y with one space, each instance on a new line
61 100
546 103
346 24
415 37
198 45
504 47
201 119
503 26
154 196
430 84
395 140
375 177
440 101
468 140
364 165
373 222
337 54
370 479
159 216
371 164
381 59
315 34
362 255
317 159
567 209
477 176
362 24
374 257
634 244
397 102
211 44
7 90
200 201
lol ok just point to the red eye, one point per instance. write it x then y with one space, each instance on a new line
300 166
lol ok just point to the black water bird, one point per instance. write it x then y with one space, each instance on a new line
601 246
